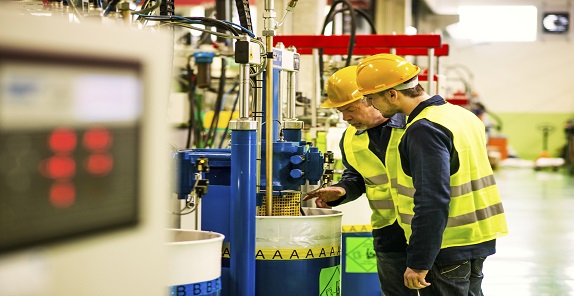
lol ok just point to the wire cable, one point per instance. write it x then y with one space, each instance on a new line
188 21
329 19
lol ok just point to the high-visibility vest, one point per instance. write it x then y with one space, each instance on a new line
377 181
475 212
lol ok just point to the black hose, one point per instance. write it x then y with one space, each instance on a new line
202 20
111 5
362 13
244 13
330 15
216 23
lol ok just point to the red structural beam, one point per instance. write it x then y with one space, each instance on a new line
201 2
367 44
439 52
389 41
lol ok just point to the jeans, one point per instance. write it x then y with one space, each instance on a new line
463 278
391 267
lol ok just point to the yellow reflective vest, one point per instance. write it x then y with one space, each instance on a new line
476 214
377 181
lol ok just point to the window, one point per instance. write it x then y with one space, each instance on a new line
495 24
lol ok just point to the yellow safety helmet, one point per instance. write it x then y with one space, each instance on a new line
342 88
383 71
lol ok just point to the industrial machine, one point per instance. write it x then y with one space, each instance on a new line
242 173
242 190
82 133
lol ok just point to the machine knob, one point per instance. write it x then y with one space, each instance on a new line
297 159
297 173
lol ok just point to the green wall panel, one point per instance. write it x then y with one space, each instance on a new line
525 137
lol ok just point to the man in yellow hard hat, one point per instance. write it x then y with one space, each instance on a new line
447 203
366 145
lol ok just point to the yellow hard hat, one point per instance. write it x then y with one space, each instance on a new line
383 71
342 88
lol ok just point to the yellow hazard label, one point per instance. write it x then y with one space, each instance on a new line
290 254
358 228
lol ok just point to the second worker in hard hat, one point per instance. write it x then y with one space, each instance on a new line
366 145
447 203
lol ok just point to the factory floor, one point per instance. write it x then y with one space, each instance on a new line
537 257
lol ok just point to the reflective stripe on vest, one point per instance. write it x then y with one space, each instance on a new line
377 183
476 213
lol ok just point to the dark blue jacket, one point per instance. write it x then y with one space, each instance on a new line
435 143
386 239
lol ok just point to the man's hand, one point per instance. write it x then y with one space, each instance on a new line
415 278
325 195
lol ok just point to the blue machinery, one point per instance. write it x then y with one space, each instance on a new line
232 175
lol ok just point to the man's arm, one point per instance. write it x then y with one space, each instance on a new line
429 147
350 187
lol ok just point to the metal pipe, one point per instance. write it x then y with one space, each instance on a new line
291 94
258 109
243 205
244 90
280 102
430 76
269 32
317 95
291 88
197 207
269 130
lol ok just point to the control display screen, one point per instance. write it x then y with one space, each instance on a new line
69 146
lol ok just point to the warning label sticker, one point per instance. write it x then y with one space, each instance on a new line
290 254
330 281
360 256
357 228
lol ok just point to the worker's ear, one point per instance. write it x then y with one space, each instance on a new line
394 94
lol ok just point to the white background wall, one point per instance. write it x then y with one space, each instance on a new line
527 84
526 77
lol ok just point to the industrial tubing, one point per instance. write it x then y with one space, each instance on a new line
269 16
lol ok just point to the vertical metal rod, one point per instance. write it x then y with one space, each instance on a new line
258 108
316 97
430 76
269 130
317 85
280 96
197 209
244 90
290 94
268 32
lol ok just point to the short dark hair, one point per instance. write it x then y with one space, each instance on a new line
413 92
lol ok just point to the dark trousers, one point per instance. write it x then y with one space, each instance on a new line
391 267
462 278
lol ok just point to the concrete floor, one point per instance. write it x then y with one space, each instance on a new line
537 257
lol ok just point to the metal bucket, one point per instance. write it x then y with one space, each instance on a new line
194 262
299 255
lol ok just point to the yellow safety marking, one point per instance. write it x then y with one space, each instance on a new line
290 254
224 118
358 228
